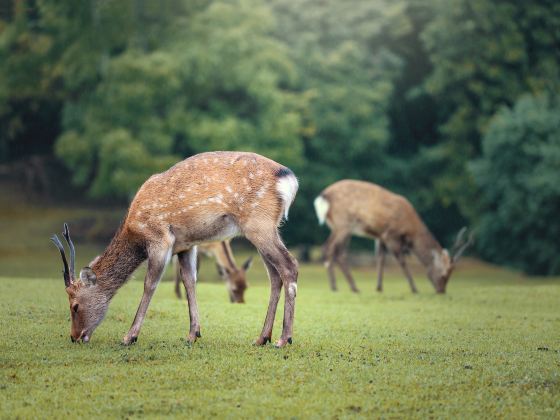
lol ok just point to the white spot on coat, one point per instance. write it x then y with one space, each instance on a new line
261 191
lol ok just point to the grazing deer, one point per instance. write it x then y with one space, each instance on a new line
368 210
207 197
235 277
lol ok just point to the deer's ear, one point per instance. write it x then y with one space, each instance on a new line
247 264
437 259
221 270
88 277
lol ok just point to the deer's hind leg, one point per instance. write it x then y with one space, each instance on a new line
275 289
342 260
328 260
381 254
331 250
283 270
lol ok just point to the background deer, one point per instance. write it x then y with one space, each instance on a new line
368 210
235 277
208 197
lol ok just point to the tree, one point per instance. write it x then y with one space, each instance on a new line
220 82
347 75
51 51
485 55
518 177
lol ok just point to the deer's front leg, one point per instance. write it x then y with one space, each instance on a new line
156 266
402 261
188 264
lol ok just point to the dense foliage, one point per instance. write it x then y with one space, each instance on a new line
518 175
399 92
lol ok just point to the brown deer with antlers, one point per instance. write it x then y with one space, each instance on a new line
235 277
208 197
368 210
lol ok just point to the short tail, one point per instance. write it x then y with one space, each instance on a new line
287 187
321 208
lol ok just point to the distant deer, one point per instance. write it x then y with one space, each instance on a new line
235 277
208 197
368 210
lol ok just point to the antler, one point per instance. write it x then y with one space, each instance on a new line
68 272
65 272
66 234
461 244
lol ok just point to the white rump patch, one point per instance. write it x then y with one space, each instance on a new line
287 186
321 208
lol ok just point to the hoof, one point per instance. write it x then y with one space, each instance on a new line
282 342
191 338
380 290
262 341
127 341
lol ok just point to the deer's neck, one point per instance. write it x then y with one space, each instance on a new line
424 246
118 262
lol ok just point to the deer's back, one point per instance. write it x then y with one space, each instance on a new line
204 192
367 209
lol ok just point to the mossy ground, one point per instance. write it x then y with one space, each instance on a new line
490 347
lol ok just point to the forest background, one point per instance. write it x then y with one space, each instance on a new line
453 103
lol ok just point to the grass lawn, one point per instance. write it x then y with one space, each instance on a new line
490 347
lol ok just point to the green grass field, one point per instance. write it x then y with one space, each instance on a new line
489 348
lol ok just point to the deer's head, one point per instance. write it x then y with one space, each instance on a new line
88 304
444 262
236 280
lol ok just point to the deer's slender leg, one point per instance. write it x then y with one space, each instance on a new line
157 260
187 262
381 254
341 259
328 258
401 259
275 288
330 250
275 253
332 276
178 277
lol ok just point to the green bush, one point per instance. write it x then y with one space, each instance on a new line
519 177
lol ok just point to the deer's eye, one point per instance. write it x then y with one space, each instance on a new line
75 308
